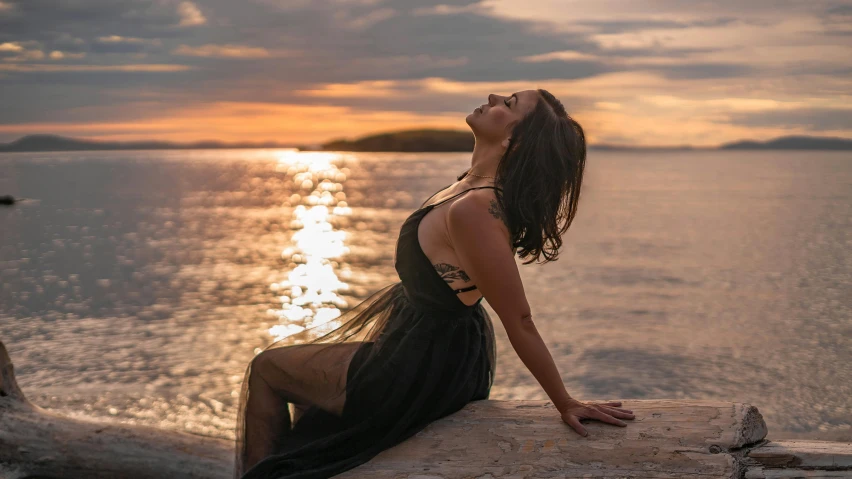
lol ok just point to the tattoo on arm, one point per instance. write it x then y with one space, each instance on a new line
451 273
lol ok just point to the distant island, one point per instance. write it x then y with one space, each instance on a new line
423 140
407 141
792 143
60 143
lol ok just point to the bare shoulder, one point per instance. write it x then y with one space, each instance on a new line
478 201
479 209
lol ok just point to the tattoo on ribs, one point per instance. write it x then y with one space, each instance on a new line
451 273
496 211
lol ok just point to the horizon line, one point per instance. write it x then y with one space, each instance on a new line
261 144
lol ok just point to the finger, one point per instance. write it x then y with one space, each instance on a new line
602 416
611 404
618 413
625 411
610 408
605 408
575 423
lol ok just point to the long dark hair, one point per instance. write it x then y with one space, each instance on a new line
539 178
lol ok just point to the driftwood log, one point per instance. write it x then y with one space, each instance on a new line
487 439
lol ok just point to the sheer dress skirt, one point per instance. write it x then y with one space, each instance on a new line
386 370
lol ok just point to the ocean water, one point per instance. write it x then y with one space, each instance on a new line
136 286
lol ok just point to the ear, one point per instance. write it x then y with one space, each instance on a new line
508 132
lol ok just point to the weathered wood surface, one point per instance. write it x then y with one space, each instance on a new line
487 439
785 459
668 439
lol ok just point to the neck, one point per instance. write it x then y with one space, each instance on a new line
485 159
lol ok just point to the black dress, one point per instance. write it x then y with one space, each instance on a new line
420 354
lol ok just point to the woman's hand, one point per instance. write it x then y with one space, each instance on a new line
606 412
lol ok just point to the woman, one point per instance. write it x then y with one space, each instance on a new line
423 347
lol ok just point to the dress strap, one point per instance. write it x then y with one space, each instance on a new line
462 290
433 195
458 194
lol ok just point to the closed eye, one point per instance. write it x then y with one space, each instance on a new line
507 100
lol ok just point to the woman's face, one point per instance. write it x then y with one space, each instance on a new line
493 121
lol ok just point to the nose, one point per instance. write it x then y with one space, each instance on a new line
491 99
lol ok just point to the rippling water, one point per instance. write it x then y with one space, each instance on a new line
138 285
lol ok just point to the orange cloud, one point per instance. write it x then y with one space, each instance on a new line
366 89
190 15
22 54
60 55
134 40
11 47
224 51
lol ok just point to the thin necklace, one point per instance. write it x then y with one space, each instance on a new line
474 174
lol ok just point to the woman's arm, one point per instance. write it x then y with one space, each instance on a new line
481 242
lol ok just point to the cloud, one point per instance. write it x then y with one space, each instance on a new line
607 105
93 68
66 39
698 70
223 51
190 15
11 47
639 25
117 44
655 10
838 20
363 90
444 9
20 51
50 21
565 55
441 6
60 55
120 39
369 19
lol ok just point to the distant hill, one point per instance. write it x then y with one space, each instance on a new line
608 147
792 143
407 141
61 143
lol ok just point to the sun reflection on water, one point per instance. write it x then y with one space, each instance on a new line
309 294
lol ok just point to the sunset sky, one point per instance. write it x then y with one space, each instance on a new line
636 72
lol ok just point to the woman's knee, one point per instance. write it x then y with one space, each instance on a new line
261 361
269 368
266 368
